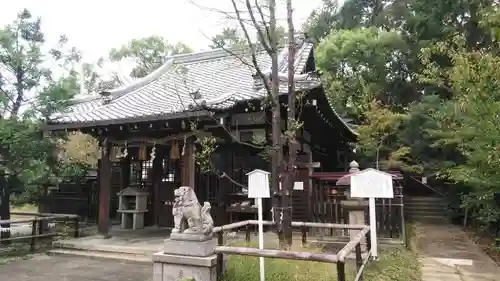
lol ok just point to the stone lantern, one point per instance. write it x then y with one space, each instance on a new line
132 204
356 207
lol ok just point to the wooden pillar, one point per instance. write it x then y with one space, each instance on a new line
188 164
157 178
104 189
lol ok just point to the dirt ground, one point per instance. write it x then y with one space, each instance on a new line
59 268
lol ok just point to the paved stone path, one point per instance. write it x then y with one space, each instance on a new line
59 268
448 254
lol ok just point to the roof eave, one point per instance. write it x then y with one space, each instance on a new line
81 125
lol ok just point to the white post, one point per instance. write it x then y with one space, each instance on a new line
261 237
258 188
373 227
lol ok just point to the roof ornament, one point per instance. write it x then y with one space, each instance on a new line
106 97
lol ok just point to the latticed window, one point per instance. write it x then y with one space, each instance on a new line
146 168
168 171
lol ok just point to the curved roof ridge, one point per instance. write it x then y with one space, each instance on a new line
139 83
208 54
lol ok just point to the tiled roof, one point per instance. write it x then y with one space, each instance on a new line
220 77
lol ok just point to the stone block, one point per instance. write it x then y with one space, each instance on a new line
176 267
190 237
190 247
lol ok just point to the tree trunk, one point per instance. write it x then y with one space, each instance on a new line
292 148
277 147
19 97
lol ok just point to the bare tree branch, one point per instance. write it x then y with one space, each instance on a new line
259 31
253 54
266 27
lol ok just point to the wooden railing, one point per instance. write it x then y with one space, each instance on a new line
339 258
39 227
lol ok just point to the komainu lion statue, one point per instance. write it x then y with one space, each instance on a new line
189 216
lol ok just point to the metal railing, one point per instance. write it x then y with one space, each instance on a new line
339 258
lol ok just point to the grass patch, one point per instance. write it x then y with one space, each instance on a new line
397 264
245 268
394 264
21 251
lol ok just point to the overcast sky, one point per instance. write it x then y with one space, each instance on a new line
96 26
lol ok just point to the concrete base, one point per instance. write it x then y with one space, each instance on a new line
190 247
176 268
186 256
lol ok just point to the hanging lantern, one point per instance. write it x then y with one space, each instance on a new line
143 152
174 151
114 153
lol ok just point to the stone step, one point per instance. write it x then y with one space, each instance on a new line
437 208
130 258
424 203
429 219
425 212
423 199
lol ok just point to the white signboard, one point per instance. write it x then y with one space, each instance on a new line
298 185
258 184
371 183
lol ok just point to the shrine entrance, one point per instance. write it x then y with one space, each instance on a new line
167 177
158 172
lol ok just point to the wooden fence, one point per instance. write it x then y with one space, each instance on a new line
40 227
326 207
339 258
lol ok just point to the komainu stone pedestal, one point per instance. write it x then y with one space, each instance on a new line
186 256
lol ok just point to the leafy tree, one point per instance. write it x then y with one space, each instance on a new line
322 21
470 122
380 130
361 65
431 68
148 53
229 37
29 94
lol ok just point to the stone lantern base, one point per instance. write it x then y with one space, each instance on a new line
356 210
